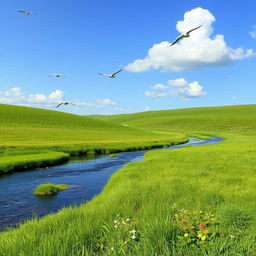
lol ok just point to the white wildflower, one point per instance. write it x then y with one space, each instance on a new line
133 237
133 231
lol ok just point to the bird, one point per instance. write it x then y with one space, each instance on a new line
56 75
113 75
26 12
187 34
65 103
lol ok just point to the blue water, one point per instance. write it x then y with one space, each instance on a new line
86 179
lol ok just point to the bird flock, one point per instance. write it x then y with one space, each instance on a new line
112 75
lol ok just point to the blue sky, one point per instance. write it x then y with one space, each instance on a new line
80 38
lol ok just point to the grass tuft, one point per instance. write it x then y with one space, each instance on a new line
49 189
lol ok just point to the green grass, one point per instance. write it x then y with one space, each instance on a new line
49 189
233 119
12 163
25 132
217 178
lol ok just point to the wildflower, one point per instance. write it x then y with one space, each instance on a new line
115 221
133 231
199 235
206 231
127 220
184 228
186 235
183 221
112 248
116 226
203 238
202 226
192 227
133 237
232 236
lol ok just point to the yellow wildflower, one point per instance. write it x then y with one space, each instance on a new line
203 238
186 235
199 235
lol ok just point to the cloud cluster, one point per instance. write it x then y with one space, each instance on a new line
253 32
179 87
15 95
106 102
199 51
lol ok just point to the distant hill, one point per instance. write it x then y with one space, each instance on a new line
241 118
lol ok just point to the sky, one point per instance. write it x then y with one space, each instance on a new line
214 67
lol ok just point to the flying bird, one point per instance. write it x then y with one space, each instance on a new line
65 103
187 34
56 75
113 75
26 12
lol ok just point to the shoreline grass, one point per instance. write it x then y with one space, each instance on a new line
15 163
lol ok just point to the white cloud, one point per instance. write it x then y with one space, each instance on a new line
253 32
199 51
159 87
179 87
234 97
106 102
53 98
17 96
13 95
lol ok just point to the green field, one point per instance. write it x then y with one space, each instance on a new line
26 131
160 206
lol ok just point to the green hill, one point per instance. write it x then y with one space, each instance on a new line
26 131
229 118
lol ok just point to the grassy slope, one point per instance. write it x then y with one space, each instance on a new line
219 178
28 131
231 119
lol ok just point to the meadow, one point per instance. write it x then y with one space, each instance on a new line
188 201
31 137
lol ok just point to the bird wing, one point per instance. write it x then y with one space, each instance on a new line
59 104
117 72
194 29
177 40
23 11
72 104
102 74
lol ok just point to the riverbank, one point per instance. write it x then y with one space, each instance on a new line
204 178
13 162
35 138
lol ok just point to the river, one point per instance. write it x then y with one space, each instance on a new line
86 178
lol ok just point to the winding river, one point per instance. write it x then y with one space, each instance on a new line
86 178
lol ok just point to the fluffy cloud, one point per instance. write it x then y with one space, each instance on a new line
13 95
179 87
199 51
106 102
17 96
53 98
253 32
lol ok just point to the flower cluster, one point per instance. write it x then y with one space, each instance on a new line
126 227
195 227
119 237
